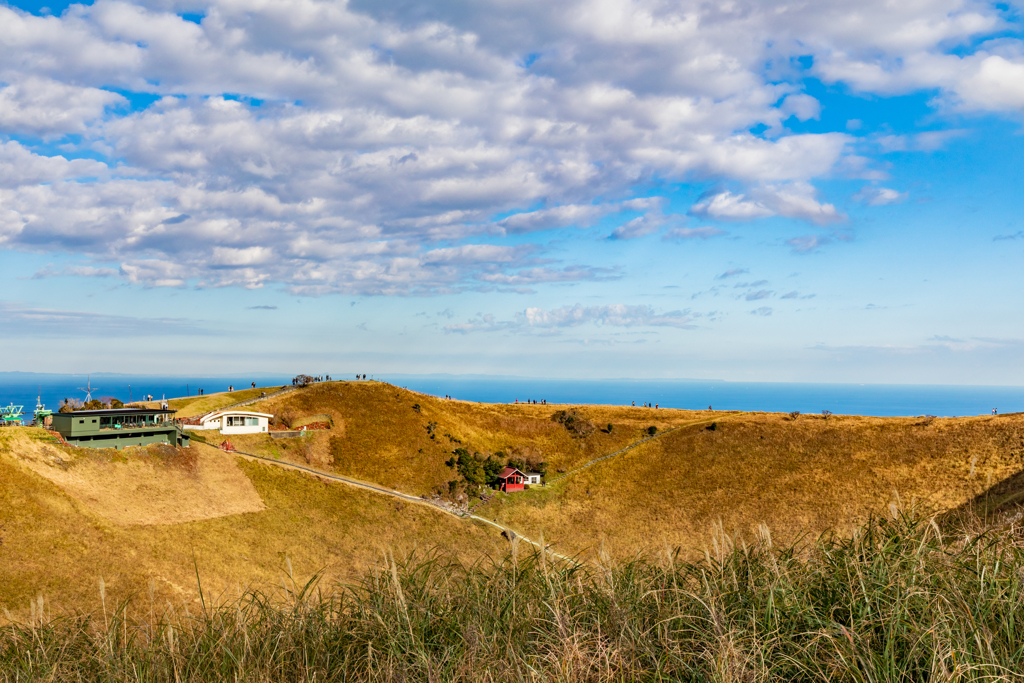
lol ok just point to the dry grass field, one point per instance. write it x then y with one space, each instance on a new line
379 436
799 477
191 406
151 516
157 484
58 538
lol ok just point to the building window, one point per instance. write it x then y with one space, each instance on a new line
252 421
81 422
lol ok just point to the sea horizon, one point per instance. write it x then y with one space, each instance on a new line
882 400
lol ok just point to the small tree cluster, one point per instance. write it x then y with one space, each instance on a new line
70 405
476 469
525 458
574 422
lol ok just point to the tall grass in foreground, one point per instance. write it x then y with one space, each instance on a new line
897 602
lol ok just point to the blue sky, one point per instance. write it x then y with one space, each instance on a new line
755 191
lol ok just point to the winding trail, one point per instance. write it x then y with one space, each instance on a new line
394 494
408 497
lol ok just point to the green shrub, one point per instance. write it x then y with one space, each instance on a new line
475 469
574 422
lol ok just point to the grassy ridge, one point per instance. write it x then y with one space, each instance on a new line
803 476
899 600
55 545
191 406
378 435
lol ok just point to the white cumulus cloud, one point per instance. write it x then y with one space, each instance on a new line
793 200
379 148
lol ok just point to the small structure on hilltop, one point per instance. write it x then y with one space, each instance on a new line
41 416
11 416
235 421
119 427
511 479
533 478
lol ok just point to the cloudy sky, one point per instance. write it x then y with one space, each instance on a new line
745 190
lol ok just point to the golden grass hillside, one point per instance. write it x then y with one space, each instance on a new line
59 535
803 476
156 484
191 406
69 517
799 476
380 436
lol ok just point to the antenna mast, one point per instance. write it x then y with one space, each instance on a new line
88 388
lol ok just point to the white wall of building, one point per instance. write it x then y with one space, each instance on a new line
236 422
205 424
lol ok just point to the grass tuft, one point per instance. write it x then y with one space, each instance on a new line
900 600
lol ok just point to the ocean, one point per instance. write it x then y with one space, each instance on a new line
840 399
22 388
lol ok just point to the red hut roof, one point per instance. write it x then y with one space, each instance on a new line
508 472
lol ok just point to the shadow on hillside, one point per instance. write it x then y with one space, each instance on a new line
999 501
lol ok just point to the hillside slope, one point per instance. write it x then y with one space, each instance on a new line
379 435
71 516
800 477
58 538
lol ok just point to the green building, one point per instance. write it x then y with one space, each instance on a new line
119 427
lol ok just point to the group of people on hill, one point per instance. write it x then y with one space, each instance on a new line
646 405
304 380
543 402
358 377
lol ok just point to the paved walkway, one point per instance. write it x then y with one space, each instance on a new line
375 488
389 492
249 402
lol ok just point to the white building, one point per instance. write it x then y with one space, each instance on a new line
533 478
235 422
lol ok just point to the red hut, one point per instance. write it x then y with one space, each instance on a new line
511 479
